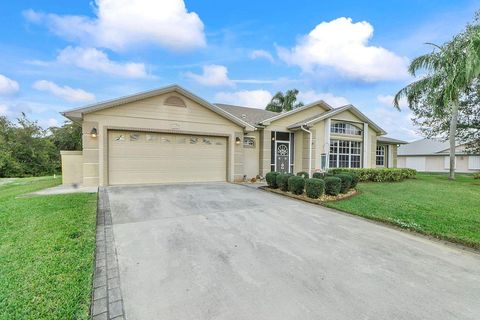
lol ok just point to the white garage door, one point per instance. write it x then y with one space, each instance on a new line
147 157
417 163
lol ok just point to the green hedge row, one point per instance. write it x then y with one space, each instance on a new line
378 174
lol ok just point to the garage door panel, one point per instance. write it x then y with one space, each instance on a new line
136 158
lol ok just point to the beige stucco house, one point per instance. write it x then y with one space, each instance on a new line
171 135
434 156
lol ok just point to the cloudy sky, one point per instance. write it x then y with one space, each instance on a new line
55 55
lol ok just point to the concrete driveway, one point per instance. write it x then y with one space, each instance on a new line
224 251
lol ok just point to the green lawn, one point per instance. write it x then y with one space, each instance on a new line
430 204
46 251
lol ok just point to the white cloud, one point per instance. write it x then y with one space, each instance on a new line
212 75
96 60
8 86
249 98
312 96
398 124
261 54
387 100
343 45
64 92
122 24
47 123
4 110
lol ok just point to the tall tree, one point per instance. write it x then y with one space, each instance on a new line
284 102
450 70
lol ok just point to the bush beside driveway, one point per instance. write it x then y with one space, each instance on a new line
46 252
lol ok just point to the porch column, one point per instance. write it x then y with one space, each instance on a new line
326 143
366 147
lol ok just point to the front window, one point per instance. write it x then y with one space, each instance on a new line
345 154
345 128
380 156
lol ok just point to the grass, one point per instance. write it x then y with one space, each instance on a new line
46 251
430 204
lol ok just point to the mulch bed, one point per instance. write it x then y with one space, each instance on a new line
324 198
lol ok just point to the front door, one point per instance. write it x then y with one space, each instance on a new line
282 157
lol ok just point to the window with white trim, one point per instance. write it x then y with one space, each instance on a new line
345 128
345 154
473 162
380 156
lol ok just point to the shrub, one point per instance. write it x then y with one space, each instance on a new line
282 180
318 175
378 174
271 178
346 181
303 174
296 184
476 175
355 179
314 187
333 185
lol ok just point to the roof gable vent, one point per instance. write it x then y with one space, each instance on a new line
175 101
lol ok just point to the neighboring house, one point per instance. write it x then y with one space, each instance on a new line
172 135
434 156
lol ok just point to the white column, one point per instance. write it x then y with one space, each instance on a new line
390 155
366 147
326 143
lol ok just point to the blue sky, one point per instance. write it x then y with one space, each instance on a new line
55 57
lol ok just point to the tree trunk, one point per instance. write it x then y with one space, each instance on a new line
453 132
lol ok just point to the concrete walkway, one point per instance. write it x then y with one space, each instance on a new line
223 251
62 189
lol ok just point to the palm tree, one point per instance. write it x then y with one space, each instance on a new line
450 70
284 102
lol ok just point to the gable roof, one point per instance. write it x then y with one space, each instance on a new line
329 114
424 147
390 140
288 113
252 116
77 113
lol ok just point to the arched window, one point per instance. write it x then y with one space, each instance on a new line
175 101
345 128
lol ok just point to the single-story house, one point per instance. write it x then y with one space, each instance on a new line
434 156
171 135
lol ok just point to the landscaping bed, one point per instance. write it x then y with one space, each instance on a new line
46 251
321 200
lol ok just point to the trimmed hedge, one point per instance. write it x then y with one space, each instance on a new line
318 175
314 188
378 174
346 181
271 179
296 184
333 185
282 180
303 174
355 179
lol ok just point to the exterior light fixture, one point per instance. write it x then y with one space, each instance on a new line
237 140
93 133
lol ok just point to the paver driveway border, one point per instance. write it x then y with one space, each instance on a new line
107 301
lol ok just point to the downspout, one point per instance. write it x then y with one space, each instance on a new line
309 150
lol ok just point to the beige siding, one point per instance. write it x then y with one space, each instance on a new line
283 123
264 151
72 167
151 114
306 152
372 145
252 156
298 150
136 157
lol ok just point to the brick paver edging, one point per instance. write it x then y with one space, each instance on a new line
107 302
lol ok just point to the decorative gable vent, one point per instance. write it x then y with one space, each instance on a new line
175 101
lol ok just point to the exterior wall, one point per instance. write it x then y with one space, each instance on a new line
152 115
283 123
252 156
372 149
264 151
395 155
298 152
437 163
72 167
306 150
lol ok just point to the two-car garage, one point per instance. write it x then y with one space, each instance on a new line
136 157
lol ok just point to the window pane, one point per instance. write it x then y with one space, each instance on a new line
283 136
